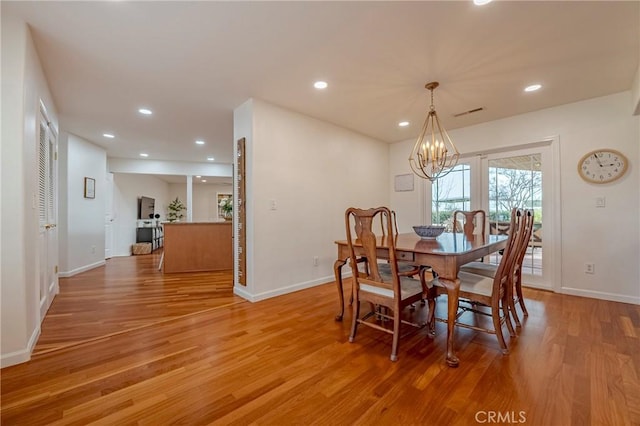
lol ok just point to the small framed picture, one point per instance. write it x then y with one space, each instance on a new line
403 182
89 187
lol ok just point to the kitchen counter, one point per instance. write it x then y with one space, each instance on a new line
197 246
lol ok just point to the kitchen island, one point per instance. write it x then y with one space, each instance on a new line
197 246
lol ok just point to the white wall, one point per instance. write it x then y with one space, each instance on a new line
127 189
164 167
243 128
313 171
83 247
606 236
23 86
203 200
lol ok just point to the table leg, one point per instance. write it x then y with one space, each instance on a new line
453 293
337 270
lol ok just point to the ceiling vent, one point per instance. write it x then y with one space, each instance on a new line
471 111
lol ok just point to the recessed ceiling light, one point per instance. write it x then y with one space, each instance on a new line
108 135
210 158
481 2
144 154
199 142
403 123
532 88
198 176
320 85
203 180
145 111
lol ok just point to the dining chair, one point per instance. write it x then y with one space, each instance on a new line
489 270
379 285
404 266
481 291
473 223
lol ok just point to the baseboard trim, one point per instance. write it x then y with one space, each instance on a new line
601 295
85 268
242 291
23 355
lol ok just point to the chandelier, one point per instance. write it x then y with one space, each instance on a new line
434 154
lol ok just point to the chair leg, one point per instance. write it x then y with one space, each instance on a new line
497 324
520 297
354 321
506 308
396 334
431 321
513 312
513 299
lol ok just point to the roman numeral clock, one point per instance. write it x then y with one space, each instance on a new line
602 166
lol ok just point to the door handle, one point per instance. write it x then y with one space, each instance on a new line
50 226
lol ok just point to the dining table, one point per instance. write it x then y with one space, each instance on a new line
444 254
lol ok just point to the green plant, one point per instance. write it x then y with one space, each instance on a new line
175 209
226 206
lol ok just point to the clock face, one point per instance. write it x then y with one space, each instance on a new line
602 166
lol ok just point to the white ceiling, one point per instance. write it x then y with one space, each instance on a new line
192 63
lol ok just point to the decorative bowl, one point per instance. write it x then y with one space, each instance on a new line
429 232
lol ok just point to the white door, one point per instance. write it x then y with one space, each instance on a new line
47 212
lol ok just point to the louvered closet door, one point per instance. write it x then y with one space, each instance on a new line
47 213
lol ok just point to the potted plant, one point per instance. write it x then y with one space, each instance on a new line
175 209
226 207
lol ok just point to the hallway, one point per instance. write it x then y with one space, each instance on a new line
128 293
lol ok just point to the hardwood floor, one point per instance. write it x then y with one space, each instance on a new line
129 292
285 361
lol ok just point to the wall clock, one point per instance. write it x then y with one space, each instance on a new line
602 166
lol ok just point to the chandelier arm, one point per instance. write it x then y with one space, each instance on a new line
451 157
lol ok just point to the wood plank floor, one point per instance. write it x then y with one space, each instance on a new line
127 293
284 361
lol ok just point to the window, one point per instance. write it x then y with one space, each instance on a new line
450 193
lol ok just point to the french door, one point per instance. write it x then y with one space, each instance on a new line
498 182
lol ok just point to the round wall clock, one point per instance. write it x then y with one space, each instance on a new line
602 166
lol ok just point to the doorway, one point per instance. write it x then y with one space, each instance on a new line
498 181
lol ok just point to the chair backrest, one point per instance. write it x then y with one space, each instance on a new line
505 270
365 243
522 249
383 225
473 222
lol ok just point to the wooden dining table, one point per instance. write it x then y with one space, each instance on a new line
444 255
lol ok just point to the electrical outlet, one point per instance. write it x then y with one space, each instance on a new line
315 260
93 249
600 201
589 268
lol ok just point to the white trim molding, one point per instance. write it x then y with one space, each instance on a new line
85 268
23 355
601 295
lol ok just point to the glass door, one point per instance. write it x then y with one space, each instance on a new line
498 182
517 180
